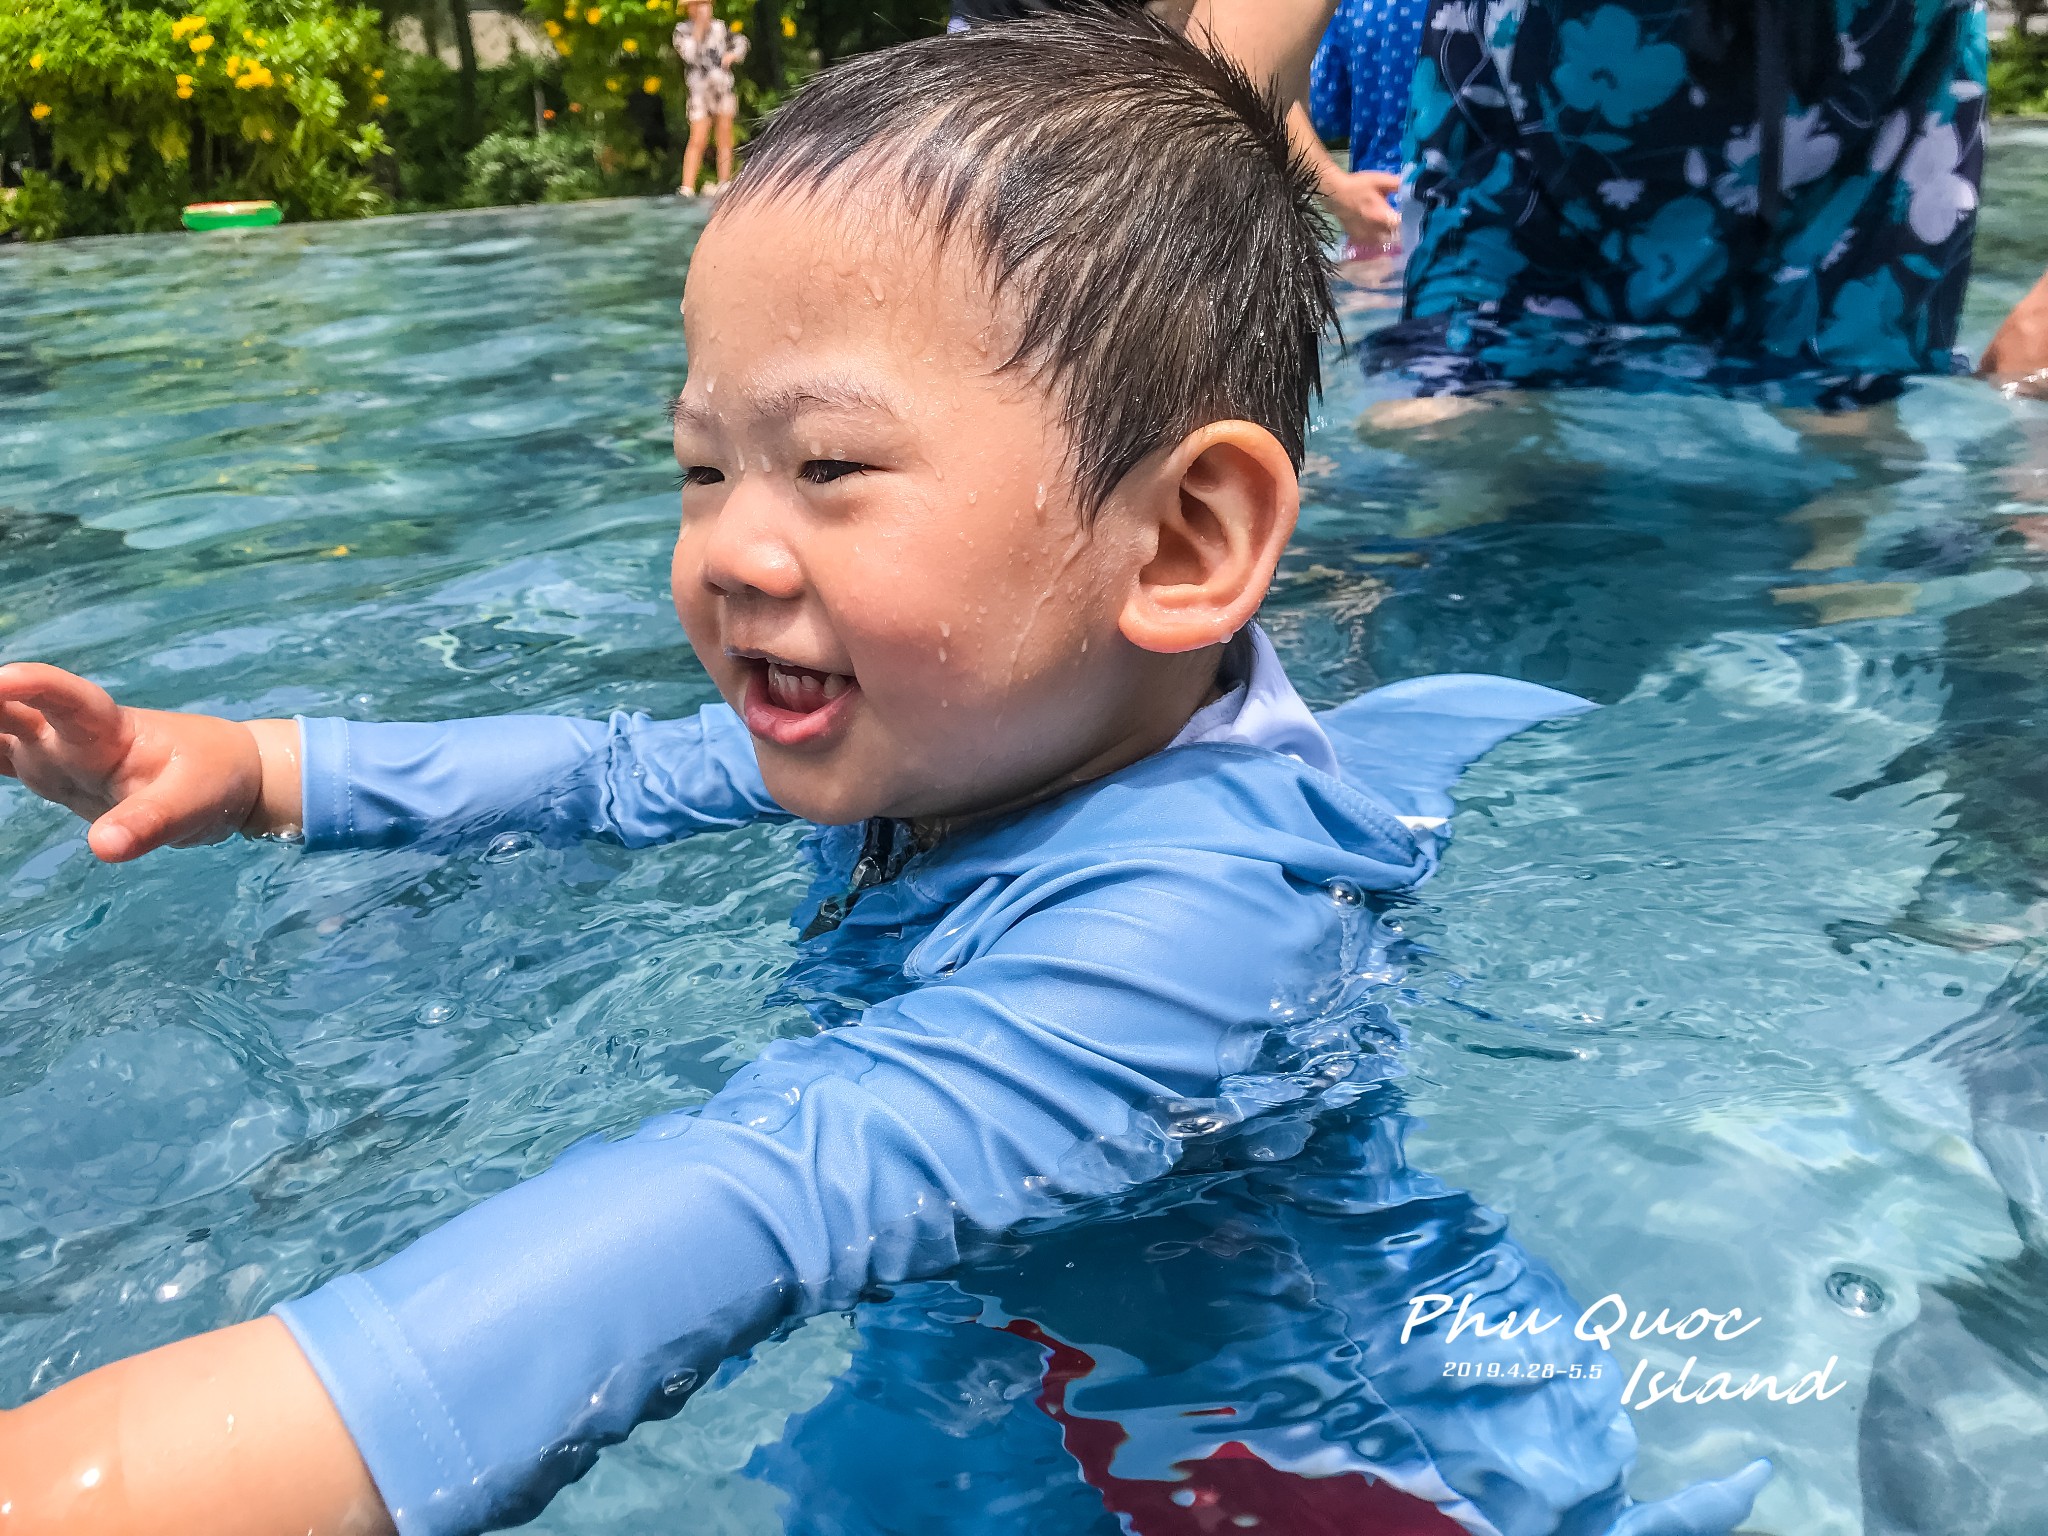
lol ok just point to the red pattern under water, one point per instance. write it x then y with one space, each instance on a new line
1229 1491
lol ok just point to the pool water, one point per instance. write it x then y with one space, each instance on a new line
1730 994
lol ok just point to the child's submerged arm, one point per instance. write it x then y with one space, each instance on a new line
226 1434
545 1322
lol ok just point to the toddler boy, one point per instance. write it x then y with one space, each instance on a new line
1001 351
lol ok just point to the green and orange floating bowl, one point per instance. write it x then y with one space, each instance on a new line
249 215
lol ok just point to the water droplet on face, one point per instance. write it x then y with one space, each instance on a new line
942 653
509 845
970 498
436 1012
1039 503
1855 1293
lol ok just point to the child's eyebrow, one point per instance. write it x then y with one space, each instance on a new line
784 401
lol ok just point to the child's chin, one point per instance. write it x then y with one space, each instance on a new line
815 792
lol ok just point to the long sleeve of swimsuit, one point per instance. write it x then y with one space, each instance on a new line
482 1368
631 779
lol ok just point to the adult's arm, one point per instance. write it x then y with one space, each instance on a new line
1275 40
630 779
2019 352
1357 200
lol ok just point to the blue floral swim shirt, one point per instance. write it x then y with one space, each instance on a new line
1600 197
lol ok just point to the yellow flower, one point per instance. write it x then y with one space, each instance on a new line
380 100
552 28
185 80
248 35
255 79
202 42
35 61
612 86
736 26
562 47
631 45
376 74
234 63
789 26
651 85
594 15
184 93
184 26
39 111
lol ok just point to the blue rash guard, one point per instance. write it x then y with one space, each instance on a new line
1027 1014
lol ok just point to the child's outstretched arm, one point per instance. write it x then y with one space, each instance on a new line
229 1433
145 778
151 778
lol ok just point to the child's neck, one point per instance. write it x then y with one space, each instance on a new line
1204 677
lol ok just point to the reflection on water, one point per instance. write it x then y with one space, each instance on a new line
1725 993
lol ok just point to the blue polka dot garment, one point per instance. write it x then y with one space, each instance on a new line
1359 86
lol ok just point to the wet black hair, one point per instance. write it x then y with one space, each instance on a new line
1136 199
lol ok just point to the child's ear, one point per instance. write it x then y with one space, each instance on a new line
1218 511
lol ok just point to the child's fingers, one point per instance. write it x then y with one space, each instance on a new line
180 809
131 829
72 705
19 721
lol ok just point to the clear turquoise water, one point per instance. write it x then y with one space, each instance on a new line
1728 990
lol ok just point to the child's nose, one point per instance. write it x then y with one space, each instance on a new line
747 549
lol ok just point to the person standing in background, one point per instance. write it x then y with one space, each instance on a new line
1358 90
709 49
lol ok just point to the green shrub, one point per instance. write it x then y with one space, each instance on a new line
2019 74
34 210
140 111
430 141
559 167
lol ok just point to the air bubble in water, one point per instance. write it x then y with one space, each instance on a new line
1855 1293
508 845
676 1384
361 701
437 1012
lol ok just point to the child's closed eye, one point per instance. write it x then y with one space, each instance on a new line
825 471
700 474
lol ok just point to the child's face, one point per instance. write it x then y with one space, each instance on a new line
881 562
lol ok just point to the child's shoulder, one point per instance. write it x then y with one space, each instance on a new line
1207 804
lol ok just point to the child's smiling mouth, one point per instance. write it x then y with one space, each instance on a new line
792 705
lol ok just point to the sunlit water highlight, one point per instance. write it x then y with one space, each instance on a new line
1725 992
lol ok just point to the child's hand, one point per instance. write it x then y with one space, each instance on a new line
144 778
